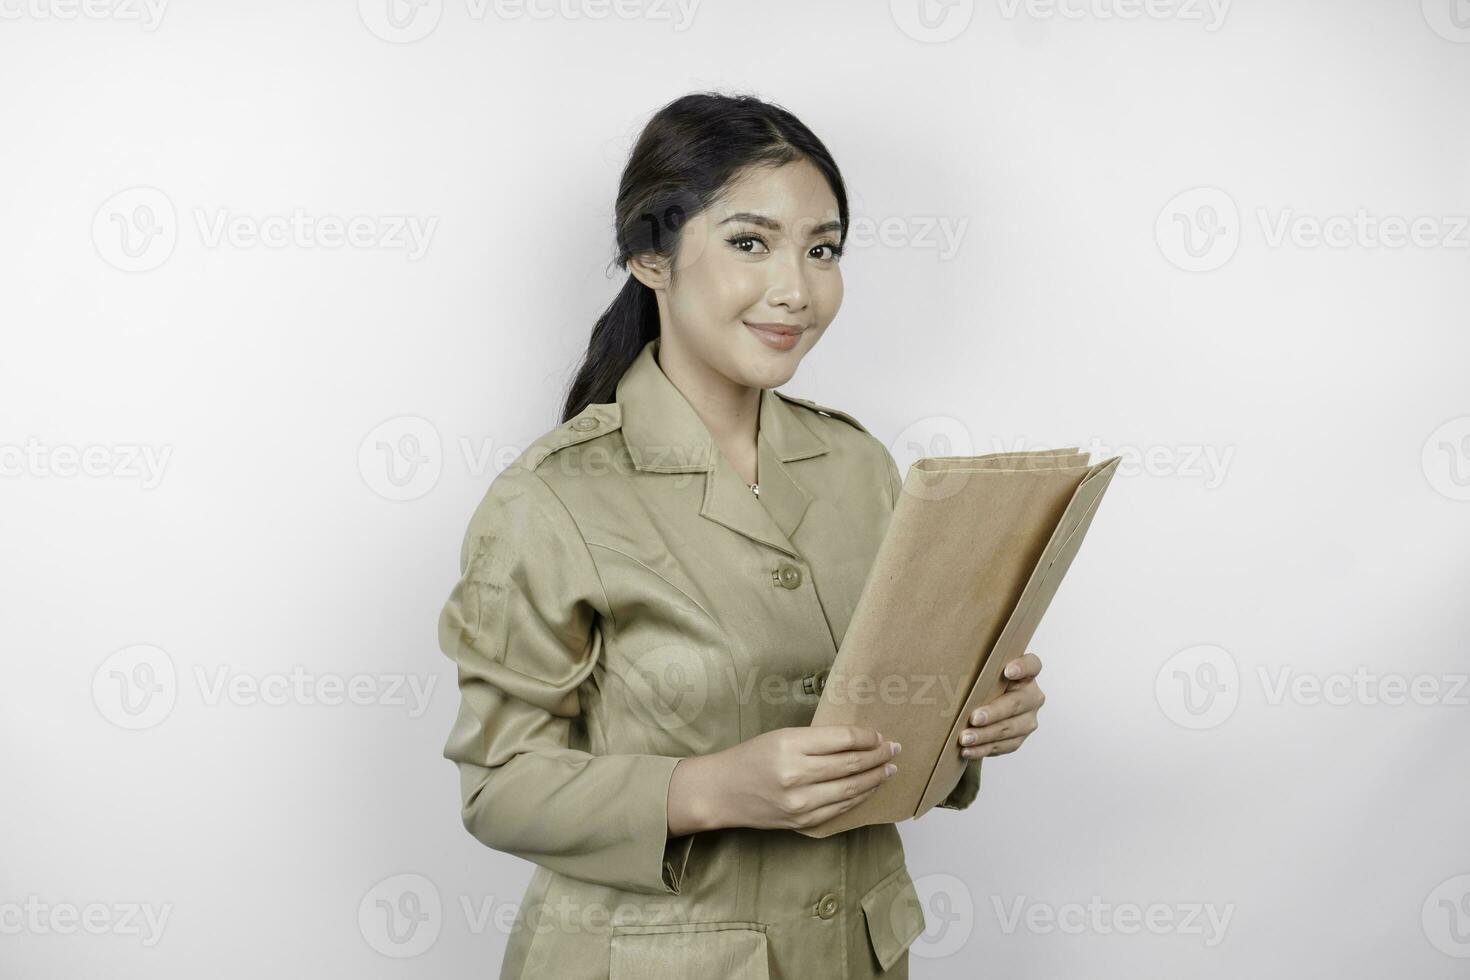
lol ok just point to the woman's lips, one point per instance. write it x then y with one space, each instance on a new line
775 335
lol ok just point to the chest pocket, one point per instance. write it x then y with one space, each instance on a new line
690 951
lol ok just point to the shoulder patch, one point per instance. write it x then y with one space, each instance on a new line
590 423
824 410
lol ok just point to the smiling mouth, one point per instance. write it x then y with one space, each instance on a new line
774 328
777 336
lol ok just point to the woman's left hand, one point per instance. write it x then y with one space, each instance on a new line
1003 724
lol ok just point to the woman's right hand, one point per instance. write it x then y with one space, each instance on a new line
786 779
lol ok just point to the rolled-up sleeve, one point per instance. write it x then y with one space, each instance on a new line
966 789
969 785
522 625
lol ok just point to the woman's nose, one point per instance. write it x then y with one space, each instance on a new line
788 285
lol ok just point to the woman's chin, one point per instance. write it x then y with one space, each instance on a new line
768 368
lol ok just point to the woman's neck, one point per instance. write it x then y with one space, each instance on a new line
729 410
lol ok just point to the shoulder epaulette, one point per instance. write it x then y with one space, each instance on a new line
824 410
590 423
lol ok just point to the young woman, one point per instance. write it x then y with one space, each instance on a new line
651 596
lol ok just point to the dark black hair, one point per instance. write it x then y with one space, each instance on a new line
683 160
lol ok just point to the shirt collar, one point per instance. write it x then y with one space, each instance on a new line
664 434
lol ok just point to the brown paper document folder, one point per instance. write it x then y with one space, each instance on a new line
974 552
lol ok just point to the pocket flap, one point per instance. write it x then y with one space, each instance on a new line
895 917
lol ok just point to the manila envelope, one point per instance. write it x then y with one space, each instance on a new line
973 554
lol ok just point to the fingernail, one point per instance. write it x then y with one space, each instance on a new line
1012 670
968 738
890 769
896 747
979 718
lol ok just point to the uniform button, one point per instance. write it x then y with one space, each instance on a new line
827 907
585 423
787 576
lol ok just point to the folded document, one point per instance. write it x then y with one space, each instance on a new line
974 552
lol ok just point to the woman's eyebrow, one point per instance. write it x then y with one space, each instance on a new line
773 225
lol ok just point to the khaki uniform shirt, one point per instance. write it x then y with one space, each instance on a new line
626 601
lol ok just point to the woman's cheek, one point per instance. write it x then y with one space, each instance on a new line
832 292
742 288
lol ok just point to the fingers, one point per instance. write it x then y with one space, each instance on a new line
839 765
1023 667
845 789
1002 747
1026 698
1017 727
830 810
824 739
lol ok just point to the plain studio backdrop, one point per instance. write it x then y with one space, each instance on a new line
286 284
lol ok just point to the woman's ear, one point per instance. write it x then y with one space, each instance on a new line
649 268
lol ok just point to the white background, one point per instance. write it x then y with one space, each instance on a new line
1300 409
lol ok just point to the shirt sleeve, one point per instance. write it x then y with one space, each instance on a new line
522 625
969 785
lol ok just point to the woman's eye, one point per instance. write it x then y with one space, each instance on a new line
834 251
738 239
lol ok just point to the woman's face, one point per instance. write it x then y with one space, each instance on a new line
756 278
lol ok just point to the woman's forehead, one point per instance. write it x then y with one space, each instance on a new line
793 196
